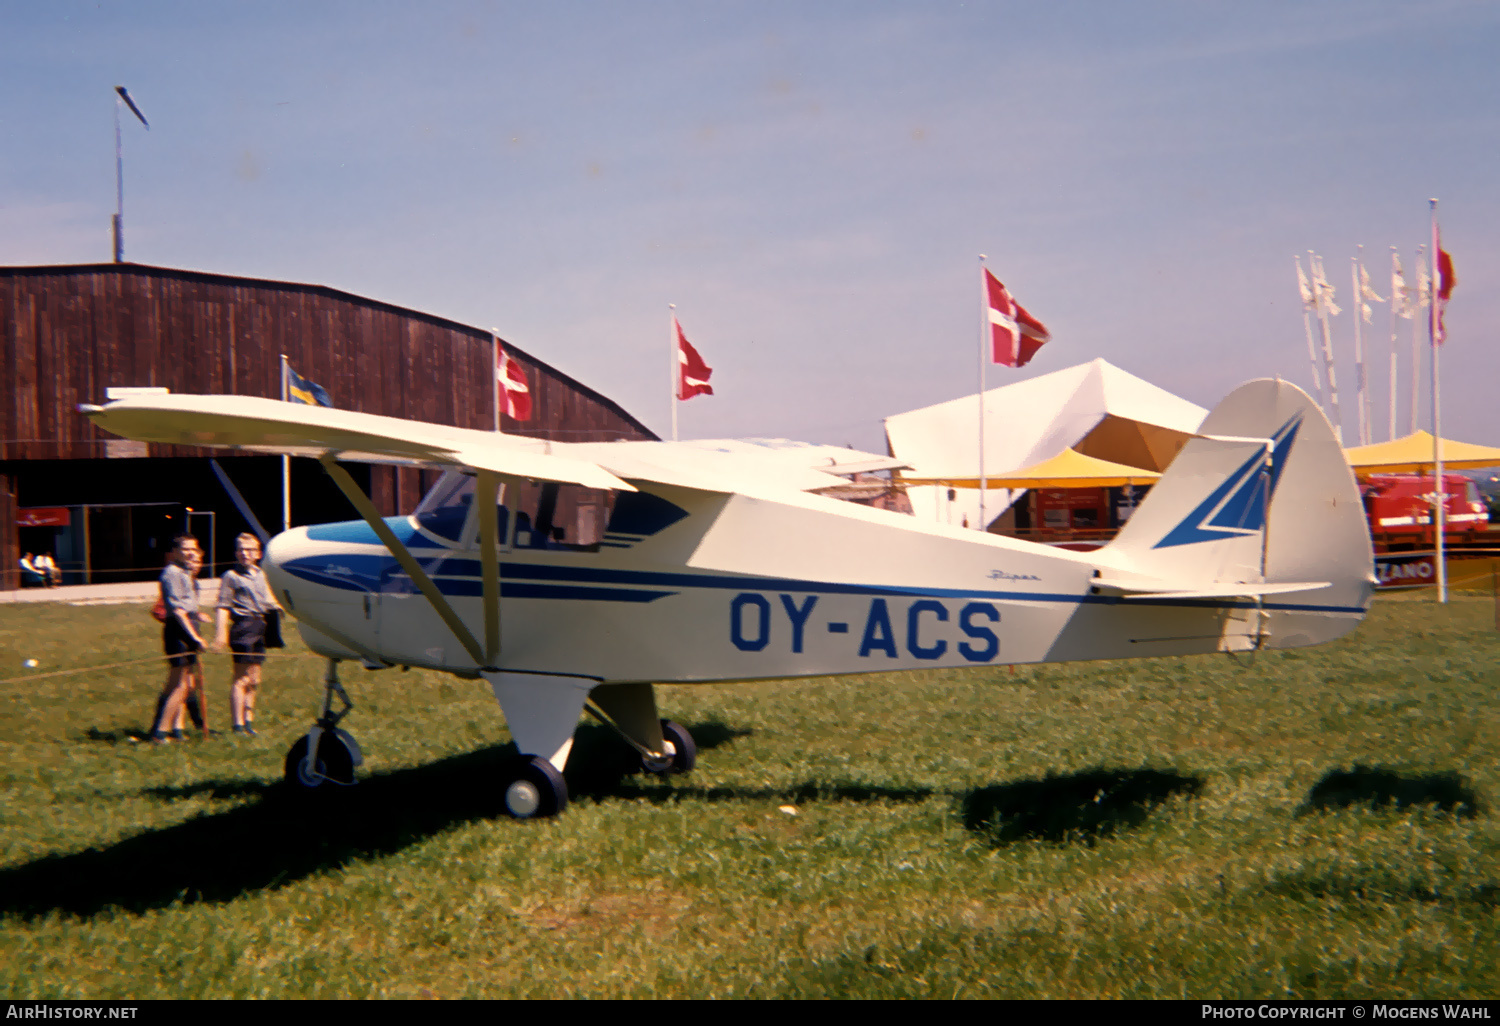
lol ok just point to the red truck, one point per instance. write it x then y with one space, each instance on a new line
1402 503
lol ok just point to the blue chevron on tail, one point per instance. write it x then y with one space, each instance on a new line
1238 506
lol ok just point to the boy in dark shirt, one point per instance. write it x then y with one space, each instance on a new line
179 635
244 600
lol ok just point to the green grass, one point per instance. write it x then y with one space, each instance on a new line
1317 824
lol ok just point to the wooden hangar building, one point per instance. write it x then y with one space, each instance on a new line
107 508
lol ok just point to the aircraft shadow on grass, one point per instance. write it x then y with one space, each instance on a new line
1378 788
1078 807
282 836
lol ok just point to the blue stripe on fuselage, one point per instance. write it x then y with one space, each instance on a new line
460 577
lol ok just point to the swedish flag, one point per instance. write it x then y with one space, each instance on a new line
300 390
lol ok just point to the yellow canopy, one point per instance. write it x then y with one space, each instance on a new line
1414 453
1068 469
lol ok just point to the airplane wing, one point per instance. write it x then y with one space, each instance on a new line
745 466
270 425
753 466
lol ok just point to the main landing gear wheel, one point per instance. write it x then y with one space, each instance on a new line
682 751
333 764
535 790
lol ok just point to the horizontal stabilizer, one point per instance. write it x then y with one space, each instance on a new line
1141 590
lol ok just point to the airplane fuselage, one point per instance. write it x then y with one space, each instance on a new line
688 586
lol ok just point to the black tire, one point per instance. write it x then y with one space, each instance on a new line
534 789
334 762
686 756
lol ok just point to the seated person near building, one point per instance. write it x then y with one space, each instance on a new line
31 577
48 569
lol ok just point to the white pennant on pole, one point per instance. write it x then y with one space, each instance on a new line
1309 303
1323 293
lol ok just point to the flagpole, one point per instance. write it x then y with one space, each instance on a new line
673 369
1416 345
1320 280
286 464
1312 352
984 323
1361 413
495 367
1398 294
1440 517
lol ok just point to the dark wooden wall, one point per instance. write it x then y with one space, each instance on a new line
69 332
10 556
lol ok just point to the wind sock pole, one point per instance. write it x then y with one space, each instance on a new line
984 336
1440 514
118 223
675 370
286 463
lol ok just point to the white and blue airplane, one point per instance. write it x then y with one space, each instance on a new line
724 566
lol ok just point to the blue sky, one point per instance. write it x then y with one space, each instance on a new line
810 183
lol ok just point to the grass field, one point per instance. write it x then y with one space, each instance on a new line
1316 824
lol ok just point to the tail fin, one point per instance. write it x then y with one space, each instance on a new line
1260 505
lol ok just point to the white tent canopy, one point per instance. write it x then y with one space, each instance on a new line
1096 408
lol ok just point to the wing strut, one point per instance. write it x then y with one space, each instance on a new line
413 569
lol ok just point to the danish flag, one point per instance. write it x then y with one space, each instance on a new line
1015 335
1443 282
510 386
692 372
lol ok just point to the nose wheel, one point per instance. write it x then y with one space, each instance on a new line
535 790
325 754
334 761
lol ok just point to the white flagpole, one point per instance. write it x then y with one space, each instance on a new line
495 371
1398 296
1362 413
1440 516
984 324
1416 345
1312 353
286 462
1319 280
674 371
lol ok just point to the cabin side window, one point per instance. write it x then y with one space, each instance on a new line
561 517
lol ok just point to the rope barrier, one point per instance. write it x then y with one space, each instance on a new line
146 659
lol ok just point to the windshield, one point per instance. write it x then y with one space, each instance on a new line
445 509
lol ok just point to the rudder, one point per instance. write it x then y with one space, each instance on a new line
1262 495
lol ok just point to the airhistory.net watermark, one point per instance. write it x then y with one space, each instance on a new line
43 1010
